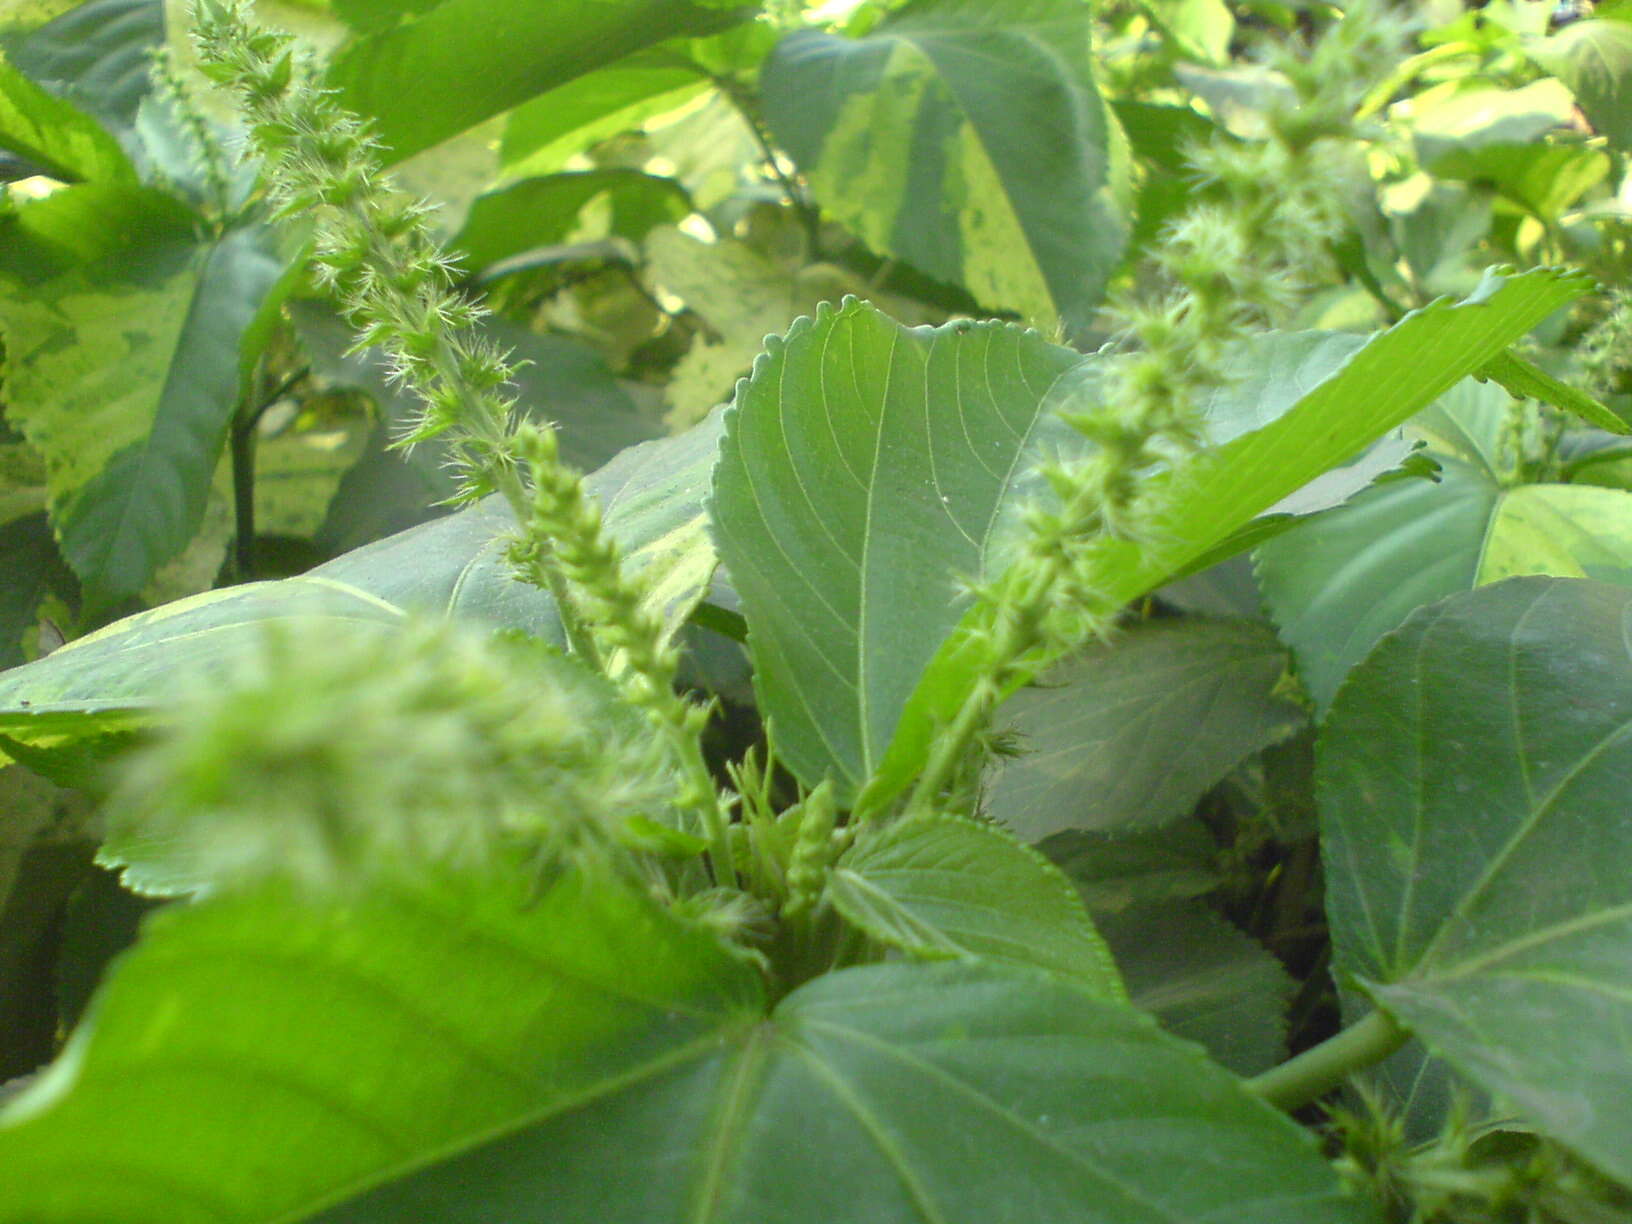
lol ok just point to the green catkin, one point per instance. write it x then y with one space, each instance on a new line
813 851
1224 269
211 158
373 249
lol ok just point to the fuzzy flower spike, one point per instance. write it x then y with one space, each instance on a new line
374 250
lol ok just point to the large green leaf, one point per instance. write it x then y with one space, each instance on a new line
1472 785
862 475
1396 373
457 62
579 1056
1131 733
942 886
124 374
61 140
1337 583
261 1054
968 139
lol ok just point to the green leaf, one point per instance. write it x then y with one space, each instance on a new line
1205 981
124 375
539 212
1473 118
1543 178
61 140
1337 583
941 886
343 1042
1523 379
1131 733
1115 871
541 135
1594 58
1395 374
1472 787
584 1058
97 55
652 496
484 57
861 477
969 140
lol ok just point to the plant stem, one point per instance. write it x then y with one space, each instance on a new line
1315 1072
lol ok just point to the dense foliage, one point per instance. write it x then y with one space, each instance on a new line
1118 709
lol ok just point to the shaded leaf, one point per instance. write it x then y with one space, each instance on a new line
942 886
1205 980
969 140
538 212
1132 733
1115 871
97 55
33 570
487 57
1472 781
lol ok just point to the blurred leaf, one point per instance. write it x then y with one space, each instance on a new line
1451 123
1546 179
1472 787
539 212
458 62
1594 58
61 140
96 56
942 887
969 140
1131 733
33 570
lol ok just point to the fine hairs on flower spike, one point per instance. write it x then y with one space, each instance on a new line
374 251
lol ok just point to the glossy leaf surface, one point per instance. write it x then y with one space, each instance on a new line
941 886
1472 781
969 140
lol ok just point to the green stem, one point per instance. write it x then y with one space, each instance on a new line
1315 1072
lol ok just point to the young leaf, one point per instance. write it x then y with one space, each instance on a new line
942 886
969 140
1131 733
1472 787
486 57
862 475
